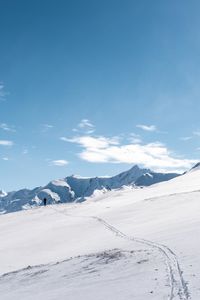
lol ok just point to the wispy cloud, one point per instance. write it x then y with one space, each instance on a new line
6 127
186 138
135 138
25 151
92 142
2 92
197 133
147 127
85 123
109 150
85 126
59 163
62 138
5 158
46 127
192 136
6 143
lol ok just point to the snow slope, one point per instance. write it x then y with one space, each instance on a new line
128 244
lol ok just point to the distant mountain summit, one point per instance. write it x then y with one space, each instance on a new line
196 167
152 178
75 188
2 193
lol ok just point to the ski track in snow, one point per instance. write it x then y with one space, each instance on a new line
178 286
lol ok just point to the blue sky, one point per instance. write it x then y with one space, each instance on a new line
93 87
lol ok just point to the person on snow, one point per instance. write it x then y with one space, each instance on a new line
45 201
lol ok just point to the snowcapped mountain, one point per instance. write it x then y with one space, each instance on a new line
2 193
75 188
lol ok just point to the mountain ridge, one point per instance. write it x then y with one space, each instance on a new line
75 188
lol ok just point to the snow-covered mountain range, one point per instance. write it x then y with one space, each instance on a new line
76 188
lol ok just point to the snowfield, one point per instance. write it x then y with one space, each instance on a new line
129 244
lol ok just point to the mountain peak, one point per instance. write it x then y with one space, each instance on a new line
135 167
196 167
2 193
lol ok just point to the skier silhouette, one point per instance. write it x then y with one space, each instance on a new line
45 201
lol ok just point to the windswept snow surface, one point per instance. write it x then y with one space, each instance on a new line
129 244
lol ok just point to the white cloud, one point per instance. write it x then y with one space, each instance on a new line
85 126
64 139
6 127
109 150
59 163
147 127
6 143
93 142
5 158
85 123
134 138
